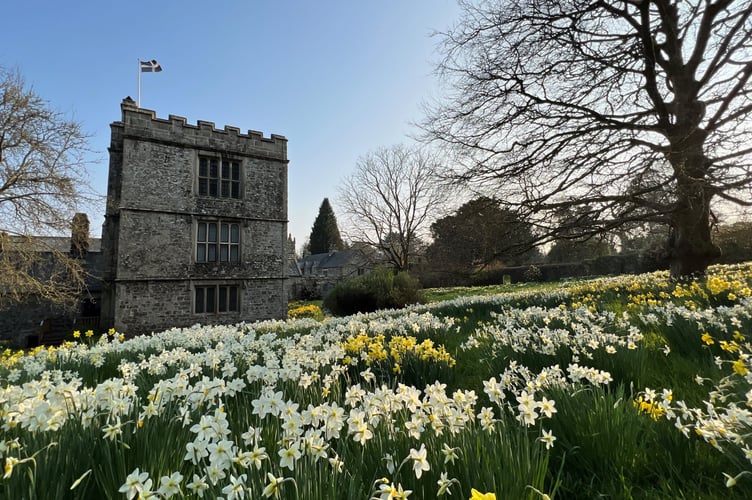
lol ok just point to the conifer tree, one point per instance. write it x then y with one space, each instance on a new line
325 235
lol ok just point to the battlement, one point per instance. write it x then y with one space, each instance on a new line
145 125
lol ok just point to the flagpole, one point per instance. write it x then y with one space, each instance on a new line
138 103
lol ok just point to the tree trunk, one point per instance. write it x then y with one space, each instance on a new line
691 249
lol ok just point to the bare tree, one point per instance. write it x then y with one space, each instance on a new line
41 183
601 104
390 200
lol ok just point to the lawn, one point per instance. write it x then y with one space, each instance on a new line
624 387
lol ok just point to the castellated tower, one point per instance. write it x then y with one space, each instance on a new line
195 228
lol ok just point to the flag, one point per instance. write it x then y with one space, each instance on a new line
150 66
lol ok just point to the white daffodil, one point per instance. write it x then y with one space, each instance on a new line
420 462
170 485
134 483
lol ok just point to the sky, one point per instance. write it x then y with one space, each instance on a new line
338 79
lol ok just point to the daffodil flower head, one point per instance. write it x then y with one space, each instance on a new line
477 495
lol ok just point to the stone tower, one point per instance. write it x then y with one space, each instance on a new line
195 227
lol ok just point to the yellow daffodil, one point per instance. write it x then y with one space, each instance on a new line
740 368
477 495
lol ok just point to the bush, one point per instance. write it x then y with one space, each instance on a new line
533 273
380 289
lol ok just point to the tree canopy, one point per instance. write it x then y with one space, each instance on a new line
632 110
735 241
479 233
325 235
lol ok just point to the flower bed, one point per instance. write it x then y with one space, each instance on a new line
633 386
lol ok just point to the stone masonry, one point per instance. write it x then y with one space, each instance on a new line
162 265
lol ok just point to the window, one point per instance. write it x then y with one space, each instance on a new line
218 178
216 299
218 242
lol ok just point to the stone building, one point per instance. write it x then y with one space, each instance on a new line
195 226
320 273
36 317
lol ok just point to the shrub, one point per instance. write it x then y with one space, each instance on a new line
379 289
533 273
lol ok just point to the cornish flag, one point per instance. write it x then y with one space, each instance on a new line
150 66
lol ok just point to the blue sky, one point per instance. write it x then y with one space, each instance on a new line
337 78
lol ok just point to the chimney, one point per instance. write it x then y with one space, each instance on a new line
79 236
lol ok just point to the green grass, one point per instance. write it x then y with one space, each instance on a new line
451 293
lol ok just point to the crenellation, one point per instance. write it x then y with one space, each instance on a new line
144 124
178 120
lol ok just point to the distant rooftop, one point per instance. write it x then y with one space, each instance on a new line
63 243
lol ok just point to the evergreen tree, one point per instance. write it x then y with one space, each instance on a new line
325 235
480 233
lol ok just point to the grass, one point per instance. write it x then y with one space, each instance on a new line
451 293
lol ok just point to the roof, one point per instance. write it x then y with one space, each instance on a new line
331 260
93 260
293 269
63 243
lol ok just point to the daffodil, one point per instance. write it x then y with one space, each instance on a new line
548 438
444 483
258 454
450 454
236 488
288 456
170 485
420 463
198 485
740 367
10 462
272 487
134 484
477 495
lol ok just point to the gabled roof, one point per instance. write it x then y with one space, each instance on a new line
330 260
293 269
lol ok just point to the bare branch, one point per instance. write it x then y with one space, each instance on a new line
390 199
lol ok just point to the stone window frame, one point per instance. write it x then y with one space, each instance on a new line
216 298
205 248
219 177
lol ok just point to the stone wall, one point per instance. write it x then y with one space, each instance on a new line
153 306
21 322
